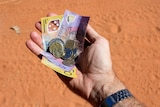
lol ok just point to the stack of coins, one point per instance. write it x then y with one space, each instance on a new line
70 52
67 51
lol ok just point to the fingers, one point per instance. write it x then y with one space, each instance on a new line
38 26
35 44
51 14
91 34
35 37
33 47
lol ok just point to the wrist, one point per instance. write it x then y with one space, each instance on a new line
105 89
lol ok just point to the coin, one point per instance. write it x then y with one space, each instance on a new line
56 47
68 62
68 53
70 44
56 40
74 55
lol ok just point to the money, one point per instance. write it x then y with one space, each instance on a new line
53 25
55 62
50 27
74 55
72 30
63 40
70 44
56 47
68 53
69 58
68 62
72 73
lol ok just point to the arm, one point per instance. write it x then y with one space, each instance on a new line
97 97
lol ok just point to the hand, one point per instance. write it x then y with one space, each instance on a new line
95 76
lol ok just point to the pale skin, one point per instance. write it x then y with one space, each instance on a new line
96 79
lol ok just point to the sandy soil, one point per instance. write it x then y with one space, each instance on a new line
132 27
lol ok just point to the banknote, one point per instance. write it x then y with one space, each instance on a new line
73 27
63 40
50 27
56 61
72 73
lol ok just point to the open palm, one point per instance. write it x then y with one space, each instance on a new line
95 66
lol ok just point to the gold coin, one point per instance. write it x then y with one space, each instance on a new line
70 44
56 48
74 55
68 62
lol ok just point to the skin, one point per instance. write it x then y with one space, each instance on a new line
96 79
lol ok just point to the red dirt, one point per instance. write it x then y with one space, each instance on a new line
132 27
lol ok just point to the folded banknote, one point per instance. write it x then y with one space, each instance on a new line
63 40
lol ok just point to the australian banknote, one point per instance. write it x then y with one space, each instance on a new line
69 26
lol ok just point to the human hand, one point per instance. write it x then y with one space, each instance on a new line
95 75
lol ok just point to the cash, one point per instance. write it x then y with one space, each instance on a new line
56 47
50 27
63 40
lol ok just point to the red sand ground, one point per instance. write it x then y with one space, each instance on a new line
132 27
